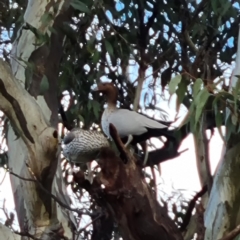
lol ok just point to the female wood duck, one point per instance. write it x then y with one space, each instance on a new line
83 146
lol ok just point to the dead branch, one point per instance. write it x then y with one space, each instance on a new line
121 148
87 225
65 121
231 235
35 180
26 234
191 206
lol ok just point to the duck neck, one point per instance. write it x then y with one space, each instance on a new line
112 99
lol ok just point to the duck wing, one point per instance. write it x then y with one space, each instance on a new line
130 122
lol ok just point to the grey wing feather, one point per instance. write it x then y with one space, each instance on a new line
130 122
83 145
68 138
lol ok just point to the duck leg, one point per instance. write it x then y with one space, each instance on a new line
145 150
145 158
130 138
89 177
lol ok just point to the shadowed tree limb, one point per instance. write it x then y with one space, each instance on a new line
130 200
234 233
65 121
121 148
191 206
62 204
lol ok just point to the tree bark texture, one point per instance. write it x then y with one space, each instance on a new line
32 136
6 233
128 198
222 214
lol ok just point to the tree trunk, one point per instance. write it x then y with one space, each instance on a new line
6 233
32 137
222 214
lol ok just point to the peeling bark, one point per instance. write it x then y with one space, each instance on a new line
6 233
34 120
38 140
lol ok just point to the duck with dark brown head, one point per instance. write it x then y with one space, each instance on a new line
134 127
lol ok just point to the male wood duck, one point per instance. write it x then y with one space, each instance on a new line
133 126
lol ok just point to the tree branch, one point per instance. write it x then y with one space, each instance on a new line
26 234
154 15
25 114
65 121
234 233
190 42
35 180
202 154
121 148
10 234
191 206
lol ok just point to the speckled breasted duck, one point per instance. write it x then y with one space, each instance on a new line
83 146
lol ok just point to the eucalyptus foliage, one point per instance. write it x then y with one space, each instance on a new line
170 37
187 46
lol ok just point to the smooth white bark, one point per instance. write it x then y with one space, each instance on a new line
223 214
37 145
7 234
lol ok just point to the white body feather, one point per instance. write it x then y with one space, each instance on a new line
127 122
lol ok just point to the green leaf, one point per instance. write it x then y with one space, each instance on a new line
234 119
53 30
173 84
109 48
96 57
79 6
89 105
197 86
230 128
81 118
200 102
29 74
226 6
41 38
235 91
193 123
96 108
44 85
46 18
214 4
181 91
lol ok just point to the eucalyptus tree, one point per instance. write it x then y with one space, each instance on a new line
55 51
